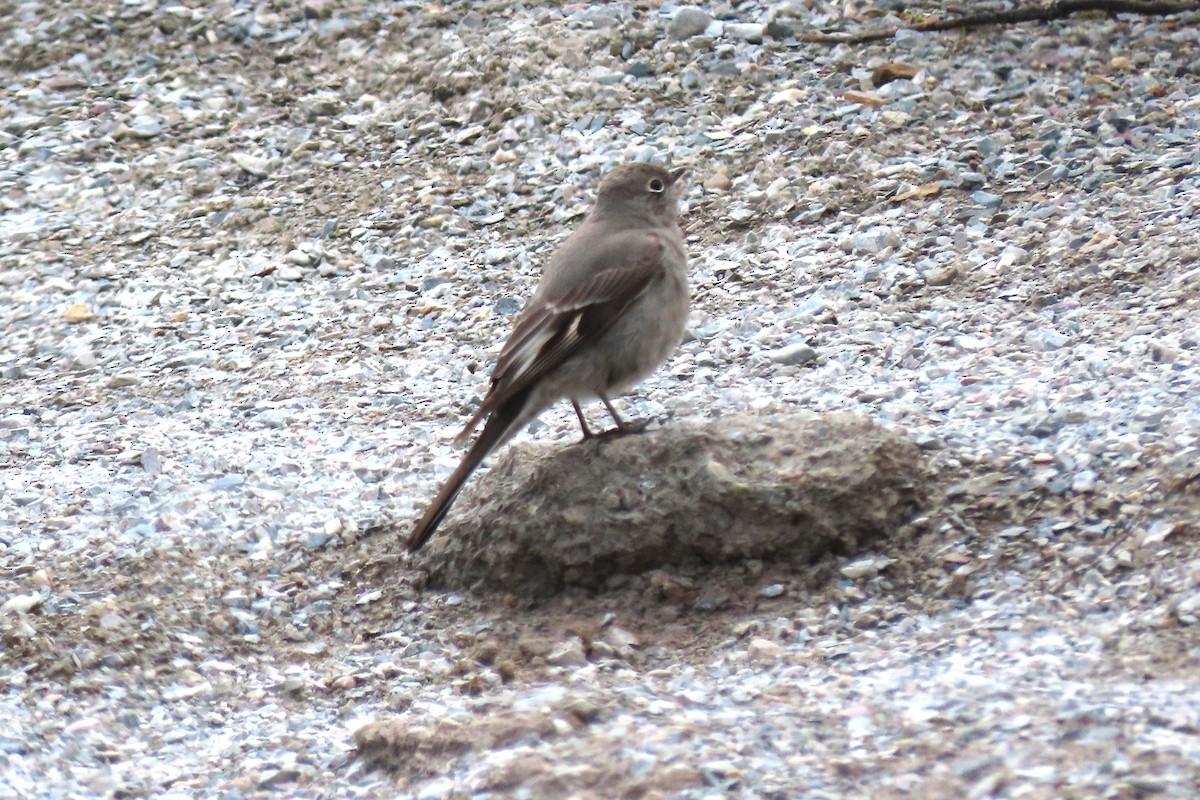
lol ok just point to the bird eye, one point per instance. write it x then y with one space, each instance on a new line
655 185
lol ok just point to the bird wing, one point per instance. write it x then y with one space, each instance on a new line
556 324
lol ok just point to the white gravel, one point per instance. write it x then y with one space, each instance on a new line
254 261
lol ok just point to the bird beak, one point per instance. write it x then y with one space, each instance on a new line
676 174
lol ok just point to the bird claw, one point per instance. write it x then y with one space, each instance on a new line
624 429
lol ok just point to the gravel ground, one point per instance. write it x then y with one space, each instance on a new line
255 258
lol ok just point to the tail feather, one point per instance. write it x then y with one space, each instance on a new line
498 427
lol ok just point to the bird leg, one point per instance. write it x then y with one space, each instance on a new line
587 432
623 428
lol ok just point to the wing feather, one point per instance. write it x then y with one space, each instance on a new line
552 328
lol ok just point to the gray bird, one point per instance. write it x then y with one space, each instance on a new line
611 306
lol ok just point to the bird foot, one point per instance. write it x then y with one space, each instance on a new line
624 429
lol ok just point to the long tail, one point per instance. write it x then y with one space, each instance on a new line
499 426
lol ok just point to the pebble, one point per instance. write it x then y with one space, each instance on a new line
1084 481
873 240
941 276
987 199
22 603
687 22
1046 339
146 127
299 258
794 354
256 165
569 653
78 312
861 568
763 651
746 31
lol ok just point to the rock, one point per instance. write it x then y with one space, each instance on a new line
299 258
1046 339
1084 481
763 651
710 602
794 354
146 127
719 181
21 603
873 240
255 165
688 21
785 488
987 199
789 97
746 31
864 98
567 654
941 276
860 568
78 312
892 71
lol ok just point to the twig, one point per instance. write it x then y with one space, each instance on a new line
1055 10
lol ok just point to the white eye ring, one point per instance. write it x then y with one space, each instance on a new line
655 185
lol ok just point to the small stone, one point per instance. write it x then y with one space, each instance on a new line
873 240
78 312
273 418
860 568
22 603
146 127
1084 481
584 709
710 602
794 354
567 654
719 181
987 199
229 481
886 73
789 97
865 98
1046 339
763 651
276 777
83 725
771 590
150 461
688 21
746 31
622 641
255 165
380 261
941 276
969 343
